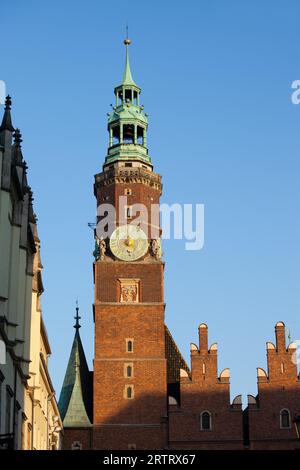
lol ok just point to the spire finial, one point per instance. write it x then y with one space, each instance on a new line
127 41
17 152
77 318
8 102
127 77
18 138
6 121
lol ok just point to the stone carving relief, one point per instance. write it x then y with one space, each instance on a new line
129 290
100 249
156 249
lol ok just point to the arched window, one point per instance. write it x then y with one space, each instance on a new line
129 392
76 445
285 419
205 421
129 345
116 135
128 133
129 371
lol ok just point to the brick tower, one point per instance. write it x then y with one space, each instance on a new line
130 390
142 394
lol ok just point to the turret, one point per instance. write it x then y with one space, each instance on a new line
127 124
204 360
281 364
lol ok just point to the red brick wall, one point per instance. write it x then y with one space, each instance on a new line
118 421
205 391
108 273
77 434
279 389
119 438
142 193
145 325
141 421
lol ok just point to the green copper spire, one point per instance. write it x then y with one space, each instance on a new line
127 77
76 414
75 401
128 123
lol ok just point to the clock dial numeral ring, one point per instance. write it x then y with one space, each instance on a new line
128 243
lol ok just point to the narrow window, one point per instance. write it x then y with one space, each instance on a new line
129 392
128 212
140 135
128 134
285 419
128 96
8 428
116 135
129 345
128 370
205 421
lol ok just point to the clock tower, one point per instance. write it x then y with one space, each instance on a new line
130 376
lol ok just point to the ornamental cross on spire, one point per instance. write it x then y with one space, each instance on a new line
77 318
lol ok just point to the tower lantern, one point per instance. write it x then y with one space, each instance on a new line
127 123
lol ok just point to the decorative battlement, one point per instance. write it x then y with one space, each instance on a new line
203 342
270 416
204 367
281 366
128 175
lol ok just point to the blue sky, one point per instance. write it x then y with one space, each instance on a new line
216 81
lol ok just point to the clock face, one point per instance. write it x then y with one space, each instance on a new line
128 242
